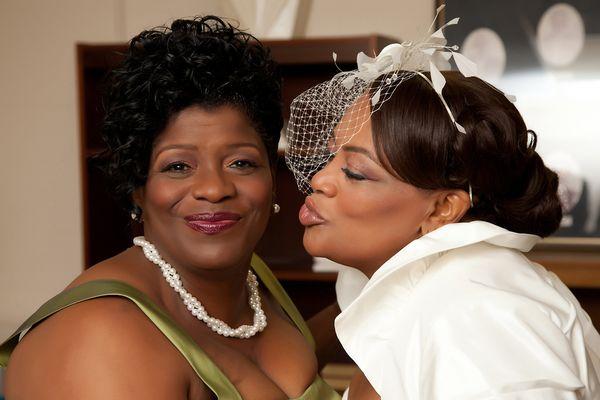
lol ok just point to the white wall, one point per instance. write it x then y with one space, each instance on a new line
399 19
41 246
40 206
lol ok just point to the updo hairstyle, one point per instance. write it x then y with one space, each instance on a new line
511 186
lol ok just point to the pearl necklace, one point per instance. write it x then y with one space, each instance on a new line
194 305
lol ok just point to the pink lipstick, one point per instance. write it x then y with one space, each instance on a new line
212 223
309 215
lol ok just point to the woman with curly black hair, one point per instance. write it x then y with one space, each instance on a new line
192 124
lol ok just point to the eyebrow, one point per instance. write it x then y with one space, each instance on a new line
175 146
360 150
243 144
193 147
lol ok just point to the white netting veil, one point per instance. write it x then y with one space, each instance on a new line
327 116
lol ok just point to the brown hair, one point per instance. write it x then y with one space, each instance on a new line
511 186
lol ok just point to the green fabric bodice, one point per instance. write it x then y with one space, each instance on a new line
204 367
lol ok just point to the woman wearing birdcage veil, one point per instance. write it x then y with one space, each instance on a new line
429 186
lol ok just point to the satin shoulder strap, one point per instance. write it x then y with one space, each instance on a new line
198 359
279 293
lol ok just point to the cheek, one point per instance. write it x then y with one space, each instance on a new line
257 197
261 196
258 193
367 228
162 194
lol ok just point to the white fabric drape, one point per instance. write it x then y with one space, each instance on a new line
462 314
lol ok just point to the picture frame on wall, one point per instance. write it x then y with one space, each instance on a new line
547 54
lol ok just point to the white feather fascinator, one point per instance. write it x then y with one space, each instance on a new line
316 129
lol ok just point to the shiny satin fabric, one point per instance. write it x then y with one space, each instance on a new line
204 367
462 314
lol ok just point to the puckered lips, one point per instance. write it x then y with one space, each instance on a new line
309 214
212 223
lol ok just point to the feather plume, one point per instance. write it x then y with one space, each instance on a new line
466 67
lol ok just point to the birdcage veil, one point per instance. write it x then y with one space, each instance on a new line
327 116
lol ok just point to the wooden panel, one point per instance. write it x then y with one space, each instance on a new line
320 50
575 269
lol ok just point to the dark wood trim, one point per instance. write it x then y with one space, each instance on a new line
575 268
83 151
101 55
570 244
575 260
321 49
299 275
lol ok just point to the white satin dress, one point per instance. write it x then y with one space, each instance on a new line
462 314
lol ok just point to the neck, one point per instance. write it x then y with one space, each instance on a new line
223 295
222 290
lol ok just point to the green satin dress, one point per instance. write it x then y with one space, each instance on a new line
204 367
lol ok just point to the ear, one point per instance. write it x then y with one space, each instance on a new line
449 206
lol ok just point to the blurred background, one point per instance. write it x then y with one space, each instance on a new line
548 54
55 219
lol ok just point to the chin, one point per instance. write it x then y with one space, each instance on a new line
319 246
220 258
216 253
312 244
345 252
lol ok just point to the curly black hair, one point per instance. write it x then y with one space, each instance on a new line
203 62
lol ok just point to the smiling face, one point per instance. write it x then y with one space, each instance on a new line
208 195
359 213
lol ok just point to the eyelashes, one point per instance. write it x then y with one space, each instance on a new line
353 175
177 167
181 167
243 164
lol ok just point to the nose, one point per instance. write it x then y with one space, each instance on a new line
212 186
324 181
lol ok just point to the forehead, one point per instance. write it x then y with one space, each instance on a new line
208 127
354 127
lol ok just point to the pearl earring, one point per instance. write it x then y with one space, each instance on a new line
136 214
276 208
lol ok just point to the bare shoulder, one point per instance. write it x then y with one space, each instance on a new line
129 266
97 349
